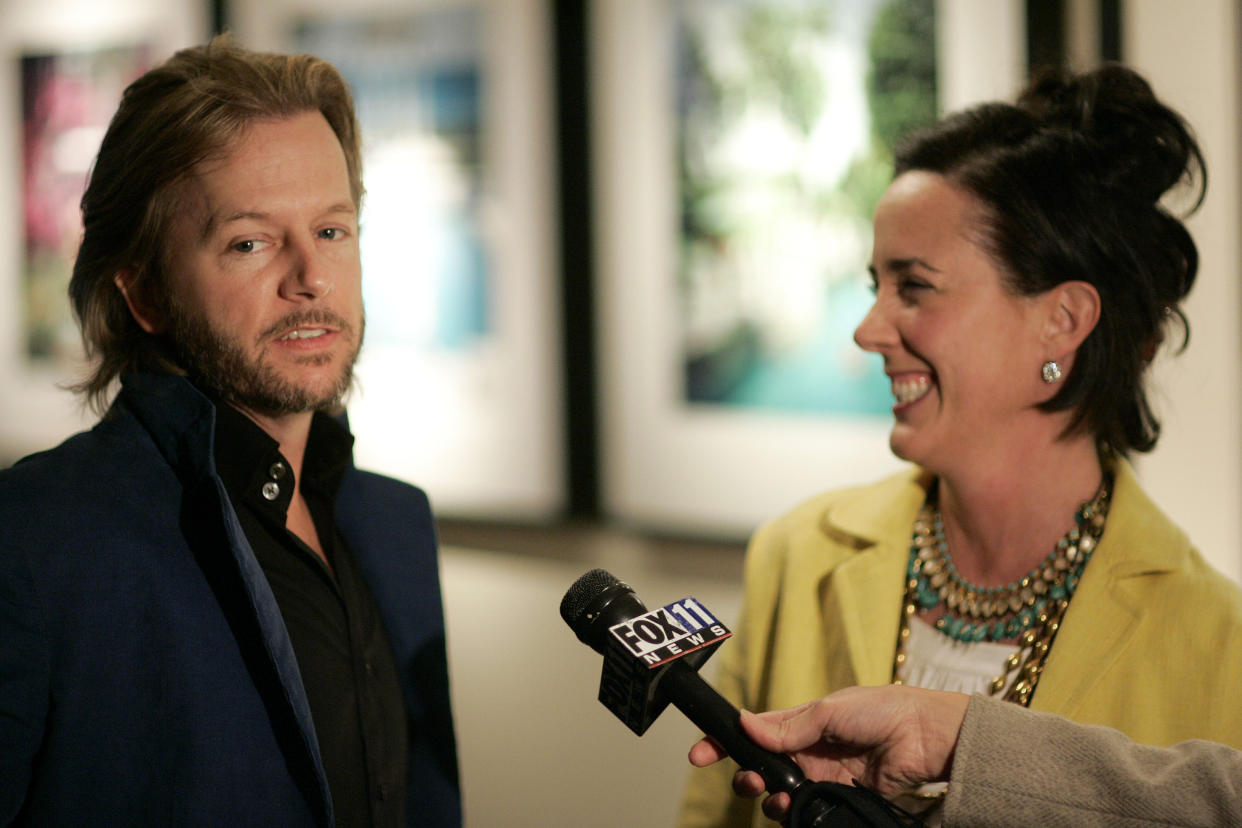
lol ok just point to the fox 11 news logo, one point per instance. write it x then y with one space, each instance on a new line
639 649
670 632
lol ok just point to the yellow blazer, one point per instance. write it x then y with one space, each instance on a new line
1151 643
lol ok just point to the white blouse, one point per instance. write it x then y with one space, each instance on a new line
936 662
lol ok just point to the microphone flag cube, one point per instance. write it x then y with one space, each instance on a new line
640 649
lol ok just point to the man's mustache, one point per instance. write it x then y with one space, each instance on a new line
307 318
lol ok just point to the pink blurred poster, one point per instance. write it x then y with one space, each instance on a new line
67 100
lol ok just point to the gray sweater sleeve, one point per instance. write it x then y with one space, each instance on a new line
1017 767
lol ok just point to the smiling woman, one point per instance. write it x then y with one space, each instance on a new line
1024 271
956 341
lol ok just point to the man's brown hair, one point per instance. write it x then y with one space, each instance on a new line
189 110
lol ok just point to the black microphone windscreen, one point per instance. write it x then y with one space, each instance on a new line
585 590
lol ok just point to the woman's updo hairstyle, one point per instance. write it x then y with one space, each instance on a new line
1071 178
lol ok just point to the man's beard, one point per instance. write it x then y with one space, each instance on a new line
219 362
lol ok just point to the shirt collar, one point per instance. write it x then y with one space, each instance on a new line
249 461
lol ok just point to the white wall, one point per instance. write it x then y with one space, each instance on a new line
981 51
1190 54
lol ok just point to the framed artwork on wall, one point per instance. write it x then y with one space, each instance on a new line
458 381
64 65
68 98
740 149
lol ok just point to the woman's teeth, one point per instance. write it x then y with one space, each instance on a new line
909 389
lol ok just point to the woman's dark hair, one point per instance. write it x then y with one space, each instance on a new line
1071 178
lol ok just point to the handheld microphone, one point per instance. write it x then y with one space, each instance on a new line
651 659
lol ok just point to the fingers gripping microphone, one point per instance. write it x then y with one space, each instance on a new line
638 691
651 659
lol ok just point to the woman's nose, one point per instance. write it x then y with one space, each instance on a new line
875 332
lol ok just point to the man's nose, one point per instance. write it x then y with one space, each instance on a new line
309 276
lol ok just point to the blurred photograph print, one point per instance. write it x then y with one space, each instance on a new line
787 114
67 100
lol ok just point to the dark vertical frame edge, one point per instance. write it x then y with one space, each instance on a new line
573 163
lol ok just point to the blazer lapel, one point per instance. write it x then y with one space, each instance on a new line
867 587
868 610
290 702
1096 629
1104 614
181 421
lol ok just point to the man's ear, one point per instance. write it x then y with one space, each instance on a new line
137 296
1073 311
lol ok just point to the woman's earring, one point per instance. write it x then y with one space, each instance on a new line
1051 372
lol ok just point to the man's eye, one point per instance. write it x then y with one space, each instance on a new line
331 233
247 246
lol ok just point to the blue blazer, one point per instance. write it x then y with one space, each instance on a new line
146 676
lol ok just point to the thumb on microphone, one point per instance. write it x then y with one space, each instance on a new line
890 738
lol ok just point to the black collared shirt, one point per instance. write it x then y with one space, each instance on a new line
342 651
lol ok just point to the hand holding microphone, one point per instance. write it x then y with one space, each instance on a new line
890 738
651 660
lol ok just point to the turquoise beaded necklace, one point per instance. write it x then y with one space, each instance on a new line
974 613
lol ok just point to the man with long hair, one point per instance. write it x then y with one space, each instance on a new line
207 615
